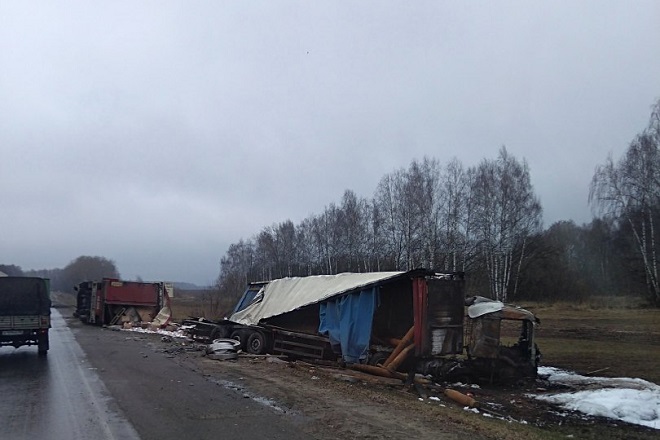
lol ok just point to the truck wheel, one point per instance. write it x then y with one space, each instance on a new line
256 343
240 337
42 346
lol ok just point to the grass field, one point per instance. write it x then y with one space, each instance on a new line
187 304
603 337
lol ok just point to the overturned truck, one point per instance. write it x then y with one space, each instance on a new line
111 301
361 319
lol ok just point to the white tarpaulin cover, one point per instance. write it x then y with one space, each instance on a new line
483 306
288 294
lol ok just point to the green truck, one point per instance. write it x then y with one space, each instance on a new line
25 312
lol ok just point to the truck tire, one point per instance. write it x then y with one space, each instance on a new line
43 345
256 343
240 337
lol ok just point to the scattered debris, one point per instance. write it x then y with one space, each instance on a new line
461 398
223 349
600 370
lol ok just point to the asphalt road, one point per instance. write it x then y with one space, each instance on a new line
103 384
56 397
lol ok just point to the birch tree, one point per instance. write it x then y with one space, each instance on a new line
629 190
426 196
454 215
351 228
407 203
507 212
388 206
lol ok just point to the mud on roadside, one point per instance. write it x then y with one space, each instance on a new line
333 403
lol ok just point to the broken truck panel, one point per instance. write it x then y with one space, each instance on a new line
484 339
249 296
439 314
206 330
487 317
501 339
131 293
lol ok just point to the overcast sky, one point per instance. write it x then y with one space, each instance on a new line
156 133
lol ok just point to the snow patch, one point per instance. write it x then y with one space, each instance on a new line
176 334
630 400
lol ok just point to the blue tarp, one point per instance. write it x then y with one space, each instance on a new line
347 322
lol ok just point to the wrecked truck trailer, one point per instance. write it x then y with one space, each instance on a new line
406 321
111 301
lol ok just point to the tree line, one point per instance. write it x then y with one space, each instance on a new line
484 220
81 269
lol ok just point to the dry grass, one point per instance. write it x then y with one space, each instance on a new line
185 305
619 335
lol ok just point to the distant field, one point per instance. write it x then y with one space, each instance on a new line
187 304
606 337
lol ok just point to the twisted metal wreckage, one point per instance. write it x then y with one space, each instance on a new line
385 323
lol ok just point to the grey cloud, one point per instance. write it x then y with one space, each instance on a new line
156 133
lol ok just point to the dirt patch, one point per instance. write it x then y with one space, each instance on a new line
333 403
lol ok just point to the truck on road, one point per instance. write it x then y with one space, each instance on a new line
25 312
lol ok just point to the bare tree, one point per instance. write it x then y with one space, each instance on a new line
388 202
408 205
455 215
424 194
448 218
276 250
352 232
629 190
325 233
239 262
308 251
286 237
373 240
507 212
